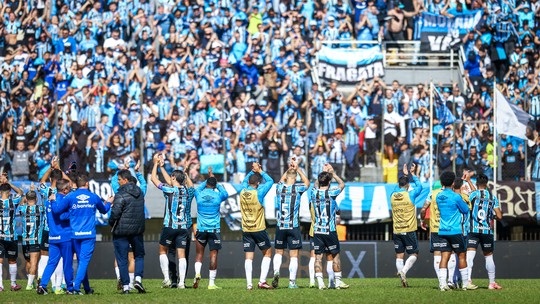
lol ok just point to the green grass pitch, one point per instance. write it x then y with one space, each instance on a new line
234 291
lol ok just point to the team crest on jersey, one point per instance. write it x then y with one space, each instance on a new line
83 198
207 197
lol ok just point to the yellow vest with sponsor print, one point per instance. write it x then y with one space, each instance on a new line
434 214
252 211
403 212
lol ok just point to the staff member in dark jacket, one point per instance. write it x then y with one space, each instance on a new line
127 221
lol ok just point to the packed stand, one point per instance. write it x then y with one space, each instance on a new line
96 81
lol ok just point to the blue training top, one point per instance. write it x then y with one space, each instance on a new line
451 207
208 205
59 227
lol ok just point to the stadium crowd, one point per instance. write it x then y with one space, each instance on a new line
95 80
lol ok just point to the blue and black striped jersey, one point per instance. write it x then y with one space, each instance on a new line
483 204
288 204
32 220
177 206
325 208
8 208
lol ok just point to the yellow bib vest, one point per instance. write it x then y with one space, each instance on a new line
252 211
403 212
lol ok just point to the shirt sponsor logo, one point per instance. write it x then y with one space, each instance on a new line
79 233
82 206
55 238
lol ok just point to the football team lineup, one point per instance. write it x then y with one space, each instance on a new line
59 229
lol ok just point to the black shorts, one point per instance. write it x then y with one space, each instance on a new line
435 242
27 249
454 242
389 139
326 243
486 241
174 237
406 242
9 249
259 238
311 243
44 244
213 239
288 238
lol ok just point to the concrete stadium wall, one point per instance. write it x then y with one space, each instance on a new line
359 260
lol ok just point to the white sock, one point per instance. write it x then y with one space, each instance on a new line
311 268
182 265
131 278
464 274
278 258
1 275
43 260
436 263
13 273
117 271
330 271
490 267
443 274
198 266
248 267
164 263
293 269
338 277
451 267
265 266
319 277
399 265
59 274
470 263
138 279
212 275
409 263
31 278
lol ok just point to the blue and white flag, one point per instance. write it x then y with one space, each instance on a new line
440 33
444 115
350 66
511 120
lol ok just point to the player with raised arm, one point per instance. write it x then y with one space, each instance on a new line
404 222
60 247
253 222
52 175
8 238
485 207
288 234
82 205
179 193
31 217
208 226
323 199
452 207
434 221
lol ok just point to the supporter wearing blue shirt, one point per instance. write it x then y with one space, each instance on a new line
82 205
59 238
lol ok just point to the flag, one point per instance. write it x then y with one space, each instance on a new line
444 115
511 120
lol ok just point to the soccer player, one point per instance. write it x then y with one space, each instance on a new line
53 174
434 220
208 226
452 207
177 223
404 222
253 222
288 234
8 238
82 205
31 215
60 247
324 204
485 207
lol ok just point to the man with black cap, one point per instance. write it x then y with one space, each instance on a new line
208 225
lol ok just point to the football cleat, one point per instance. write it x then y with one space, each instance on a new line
264 285
275 282
42 290
196 281
342 285
403 279
213 287
494 286
166 283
